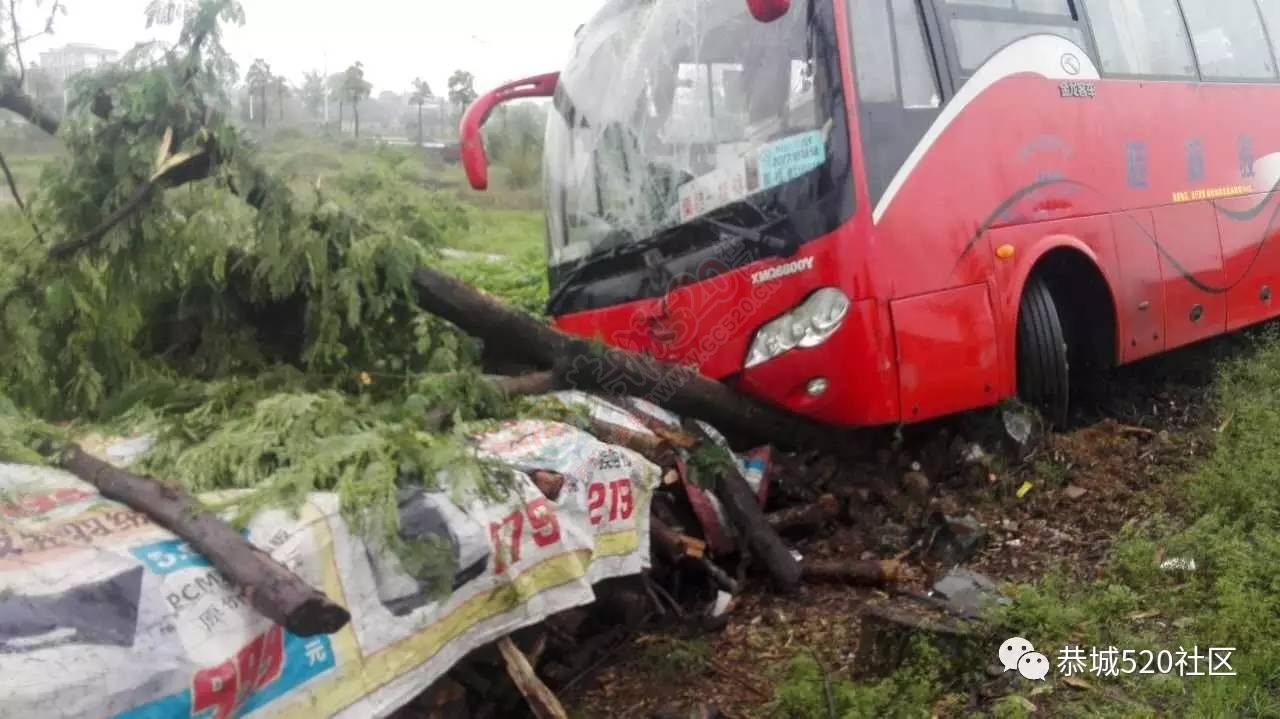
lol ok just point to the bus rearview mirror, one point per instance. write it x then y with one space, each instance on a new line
471 143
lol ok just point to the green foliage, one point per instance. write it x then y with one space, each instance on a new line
708 461
521 279
672 660
26 440
907 693
270 338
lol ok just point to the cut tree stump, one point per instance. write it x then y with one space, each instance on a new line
277 593
888 630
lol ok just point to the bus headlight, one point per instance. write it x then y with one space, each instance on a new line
809 324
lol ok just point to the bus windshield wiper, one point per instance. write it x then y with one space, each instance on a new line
619 250
760 238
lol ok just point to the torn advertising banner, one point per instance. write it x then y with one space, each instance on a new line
104 614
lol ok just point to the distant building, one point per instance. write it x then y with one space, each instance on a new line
66 61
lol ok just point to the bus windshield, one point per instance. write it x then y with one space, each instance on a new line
673 109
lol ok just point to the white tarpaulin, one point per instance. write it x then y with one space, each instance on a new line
104 614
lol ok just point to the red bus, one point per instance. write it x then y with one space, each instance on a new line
884 211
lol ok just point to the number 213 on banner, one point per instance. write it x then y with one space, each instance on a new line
616 494
508 533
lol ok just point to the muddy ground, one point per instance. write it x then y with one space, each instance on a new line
1133 431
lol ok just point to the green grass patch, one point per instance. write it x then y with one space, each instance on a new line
808 692
501 232
1228 526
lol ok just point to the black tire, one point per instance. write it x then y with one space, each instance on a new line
1043 370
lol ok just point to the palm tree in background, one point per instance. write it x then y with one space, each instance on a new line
421 93
259 82
280 88
335 83
356 88
313 94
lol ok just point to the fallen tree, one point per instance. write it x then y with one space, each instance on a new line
283 344
271 588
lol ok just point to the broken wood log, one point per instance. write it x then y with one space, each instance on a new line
806 516
277 593
650 446
743 507
875 572
676 546
541 700
583 365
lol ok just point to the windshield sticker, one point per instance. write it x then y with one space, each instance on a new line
786 159
715 189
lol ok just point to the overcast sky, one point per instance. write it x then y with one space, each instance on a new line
497 40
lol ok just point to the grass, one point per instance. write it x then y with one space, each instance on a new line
1224 514
1228 521
501 232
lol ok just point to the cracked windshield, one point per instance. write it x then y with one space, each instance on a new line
639 359
671 110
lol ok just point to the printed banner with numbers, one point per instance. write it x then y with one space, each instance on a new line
104 614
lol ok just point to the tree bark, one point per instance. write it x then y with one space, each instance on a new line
541 700
806 516
277 593
743 507
854 571
16 100
617 373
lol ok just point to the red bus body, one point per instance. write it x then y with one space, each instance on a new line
1035 155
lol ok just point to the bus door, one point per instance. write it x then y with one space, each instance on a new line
896 69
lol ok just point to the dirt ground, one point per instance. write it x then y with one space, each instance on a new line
1139 428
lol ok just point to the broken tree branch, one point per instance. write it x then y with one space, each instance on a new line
438 418
16 100
17 45
277 593
17 197
186 168
743 507
541 700
856 571
806 516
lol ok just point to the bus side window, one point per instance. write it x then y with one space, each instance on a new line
1141 37
1229 40
1271 16
919 81
982 27
873 62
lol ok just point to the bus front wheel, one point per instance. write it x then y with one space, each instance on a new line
1043 371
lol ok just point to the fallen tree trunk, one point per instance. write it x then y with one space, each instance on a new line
743 507
579 364
277 593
